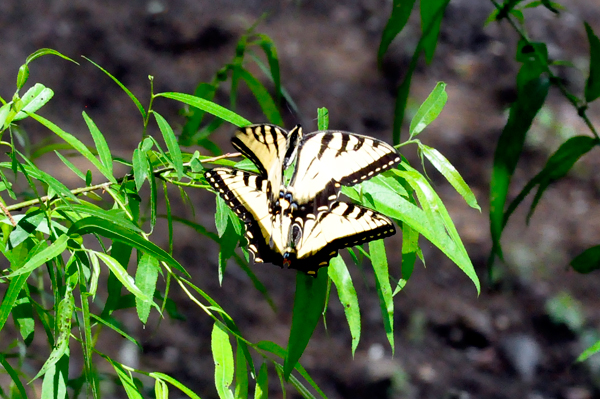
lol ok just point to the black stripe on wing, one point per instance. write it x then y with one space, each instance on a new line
221 179
383 227
263 144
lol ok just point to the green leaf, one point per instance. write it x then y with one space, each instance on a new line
71 166
125 89
402 95
432 12
279 351
66 307
41 257
241 373
13 375
270 50
161 389
56 378
338 272
109 324
530 99
429 110
33 99
451 174
384 290
22 313
268 106
125 279
145 279
172 145
262 383
195 116
76 144
208 106
592 84
101 144
433 222
589 352
140 168
94 225
308 306
410 249
47 51
10 297
557 166
127 381
401 10
175 383
22 76
323 118
116 216
587 261
223 357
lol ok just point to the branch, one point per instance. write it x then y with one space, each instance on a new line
102 186
555 80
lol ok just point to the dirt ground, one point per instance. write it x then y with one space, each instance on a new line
450 343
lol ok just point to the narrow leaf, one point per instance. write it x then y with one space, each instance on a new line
323 118
223 357
13 375
429 110
338 272
140 168
146 277
94 225
432 12
208 106
451 174
125 89
172 145
557 166
10 297
384 290
176 384
101 144
401 10
262 383
262 95
271 53
587 261
308 306
592 84
127 381
592 350
241 373
33 99
508 151
125 279
43 256
76 144
71 166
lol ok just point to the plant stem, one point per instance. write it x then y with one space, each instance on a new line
102 186
555 80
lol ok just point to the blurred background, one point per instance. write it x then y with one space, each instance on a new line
518 339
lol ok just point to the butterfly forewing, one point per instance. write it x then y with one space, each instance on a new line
338 158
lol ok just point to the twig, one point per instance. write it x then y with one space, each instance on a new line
7 213
555 80
102 186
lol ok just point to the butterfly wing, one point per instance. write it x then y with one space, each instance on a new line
345 225
337 158
246 194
